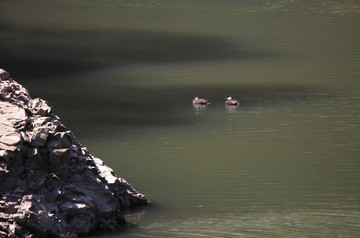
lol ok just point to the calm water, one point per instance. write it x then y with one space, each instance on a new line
122 74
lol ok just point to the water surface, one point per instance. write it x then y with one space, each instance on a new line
122 74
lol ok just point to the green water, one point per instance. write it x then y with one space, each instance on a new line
122 74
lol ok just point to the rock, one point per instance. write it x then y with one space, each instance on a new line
12 116
4 75
50 185
40 107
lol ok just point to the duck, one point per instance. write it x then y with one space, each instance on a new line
202 101
231 101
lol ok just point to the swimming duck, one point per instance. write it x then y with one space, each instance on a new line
197 100
231 101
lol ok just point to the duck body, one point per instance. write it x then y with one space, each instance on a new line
199 101
231 101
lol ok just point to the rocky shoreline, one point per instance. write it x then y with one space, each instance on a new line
50 185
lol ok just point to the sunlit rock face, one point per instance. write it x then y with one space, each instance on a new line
50 185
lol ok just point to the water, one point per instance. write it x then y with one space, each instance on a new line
122 74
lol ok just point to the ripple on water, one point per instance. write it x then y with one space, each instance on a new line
271 224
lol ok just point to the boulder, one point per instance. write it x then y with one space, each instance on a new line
50 185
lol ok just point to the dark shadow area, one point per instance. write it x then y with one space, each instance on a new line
35 56
31 53
128 110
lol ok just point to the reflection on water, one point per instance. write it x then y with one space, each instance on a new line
231 108
121 75
199 108
135 215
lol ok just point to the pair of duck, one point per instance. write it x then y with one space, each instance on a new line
202 101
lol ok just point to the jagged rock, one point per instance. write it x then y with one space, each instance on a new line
39 107
50 185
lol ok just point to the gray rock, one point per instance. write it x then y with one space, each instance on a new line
39 107
4 75
50 185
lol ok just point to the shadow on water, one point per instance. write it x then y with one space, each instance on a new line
118 108
40 53
43 59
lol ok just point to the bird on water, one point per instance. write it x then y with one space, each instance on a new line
231 101
201 101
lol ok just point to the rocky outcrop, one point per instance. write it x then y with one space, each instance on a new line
50 185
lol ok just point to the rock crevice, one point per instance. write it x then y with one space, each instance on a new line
50 185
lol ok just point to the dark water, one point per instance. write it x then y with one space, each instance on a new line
122 74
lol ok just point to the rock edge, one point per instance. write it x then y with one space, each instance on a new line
50 185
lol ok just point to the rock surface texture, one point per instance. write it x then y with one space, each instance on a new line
50 185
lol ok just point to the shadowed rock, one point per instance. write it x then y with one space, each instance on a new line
50 185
